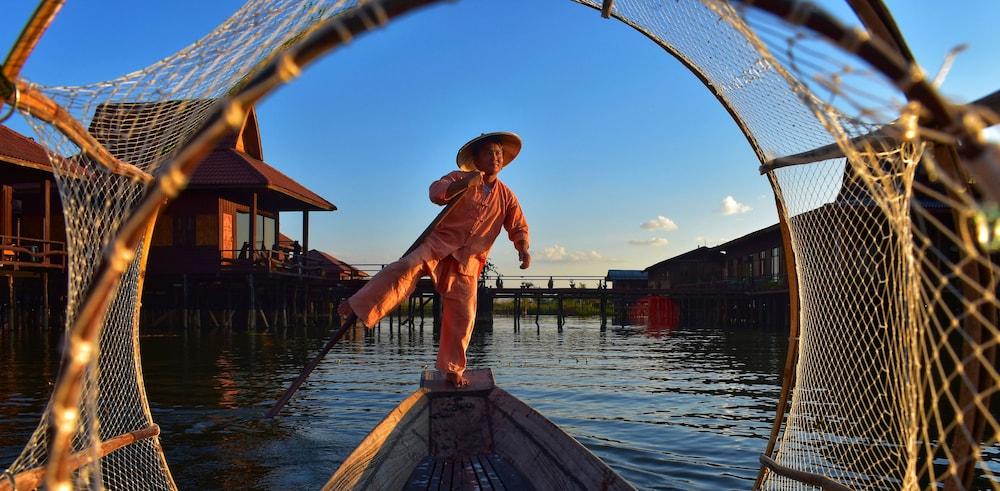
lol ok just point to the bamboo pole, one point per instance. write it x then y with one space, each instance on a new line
45 109
876 18
822 482
32 478
30 35
606 8
140 382
965 440
287 395
792 354
907 77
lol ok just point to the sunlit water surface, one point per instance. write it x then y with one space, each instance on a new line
683 409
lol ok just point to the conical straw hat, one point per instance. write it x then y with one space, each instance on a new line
511 147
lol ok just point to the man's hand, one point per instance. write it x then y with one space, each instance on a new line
469 179
525 258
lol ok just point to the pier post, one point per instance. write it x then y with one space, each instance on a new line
559 312
11 308
185 314
517 312
436 308
45 299
604 311
251 304
538 311
484 310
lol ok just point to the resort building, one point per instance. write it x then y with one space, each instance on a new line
32 233
229 217
217 246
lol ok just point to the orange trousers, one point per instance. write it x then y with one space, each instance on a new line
396 283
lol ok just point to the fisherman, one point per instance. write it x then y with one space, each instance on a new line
455 251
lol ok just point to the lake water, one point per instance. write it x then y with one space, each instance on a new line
685 409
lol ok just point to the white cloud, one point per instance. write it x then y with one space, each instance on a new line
654 242
554 253
558 254
660 222
732 207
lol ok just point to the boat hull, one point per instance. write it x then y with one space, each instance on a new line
479 437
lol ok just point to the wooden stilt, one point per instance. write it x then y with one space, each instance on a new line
559 313
45 300
11 307
604 311
251 304
538 311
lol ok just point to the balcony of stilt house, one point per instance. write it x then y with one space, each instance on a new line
32 236
218 257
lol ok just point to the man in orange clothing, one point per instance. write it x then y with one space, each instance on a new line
455 251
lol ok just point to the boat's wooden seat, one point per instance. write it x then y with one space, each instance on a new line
478 472
480 379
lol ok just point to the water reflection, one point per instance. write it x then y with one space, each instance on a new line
669 409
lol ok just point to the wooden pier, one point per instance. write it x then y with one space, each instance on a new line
259 300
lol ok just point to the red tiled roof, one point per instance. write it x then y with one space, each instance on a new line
21 150
227 167
328 262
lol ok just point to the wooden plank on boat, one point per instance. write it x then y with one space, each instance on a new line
479 380
386 457
436 474
506 474
466 477
547 456
459 426
446 474
489 472
420 480
479 471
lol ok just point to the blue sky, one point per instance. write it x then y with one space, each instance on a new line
616 132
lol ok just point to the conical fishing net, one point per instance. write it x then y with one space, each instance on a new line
887 198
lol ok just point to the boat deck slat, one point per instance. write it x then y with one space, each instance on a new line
487 472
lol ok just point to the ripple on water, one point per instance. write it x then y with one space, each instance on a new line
689 410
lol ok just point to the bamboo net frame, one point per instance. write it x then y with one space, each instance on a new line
927 121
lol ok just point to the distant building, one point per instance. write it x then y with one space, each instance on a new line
751 262
332 267
756 258
32 232
627 279
228 218
704 265
31 218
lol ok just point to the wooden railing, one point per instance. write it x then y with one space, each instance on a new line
280 260
27 252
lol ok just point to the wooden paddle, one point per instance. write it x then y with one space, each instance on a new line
351 319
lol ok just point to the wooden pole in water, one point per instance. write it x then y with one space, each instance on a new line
559 314
311 366
251 304
10 301
184 301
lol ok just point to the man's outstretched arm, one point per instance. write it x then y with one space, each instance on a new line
443 190
517 230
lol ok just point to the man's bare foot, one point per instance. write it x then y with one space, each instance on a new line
456 379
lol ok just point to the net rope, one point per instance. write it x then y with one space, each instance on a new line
895 379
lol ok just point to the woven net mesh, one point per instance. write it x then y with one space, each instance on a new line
895 369
142 119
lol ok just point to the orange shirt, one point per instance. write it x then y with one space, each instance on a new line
471 227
